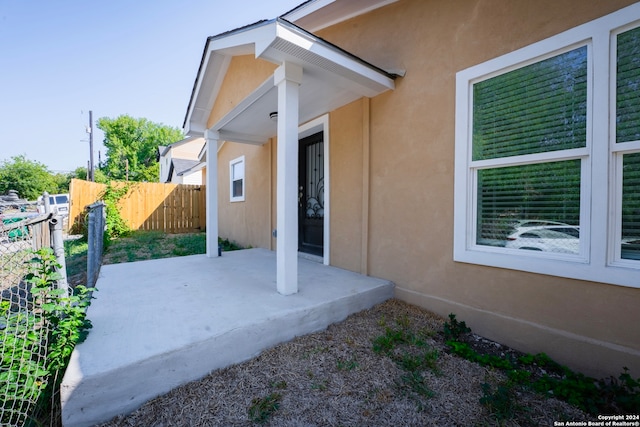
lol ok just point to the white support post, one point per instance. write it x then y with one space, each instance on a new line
287 78
212 192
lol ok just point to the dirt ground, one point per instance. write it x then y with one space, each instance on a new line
335 378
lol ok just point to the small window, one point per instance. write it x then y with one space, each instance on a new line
236 179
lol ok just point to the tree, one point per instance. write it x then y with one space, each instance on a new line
132 147
81 173
29 178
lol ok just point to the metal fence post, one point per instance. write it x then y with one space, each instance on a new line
57 242
91 250
47 204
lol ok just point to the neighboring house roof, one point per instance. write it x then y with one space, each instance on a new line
181 166
331 78
180 157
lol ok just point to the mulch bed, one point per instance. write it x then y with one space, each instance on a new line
335 378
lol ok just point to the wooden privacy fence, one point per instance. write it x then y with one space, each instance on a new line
171 208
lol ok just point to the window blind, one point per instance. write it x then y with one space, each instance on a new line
543 193
537 108
628 86
631 206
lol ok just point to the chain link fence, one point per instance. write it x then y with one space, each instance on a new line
24 332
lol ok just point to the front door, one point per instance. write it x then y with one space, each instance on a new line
311 195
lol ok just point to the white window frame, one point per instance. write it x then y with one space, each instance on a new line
232 163
600 229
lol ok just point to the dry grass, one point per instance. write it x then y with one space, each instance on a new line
334 378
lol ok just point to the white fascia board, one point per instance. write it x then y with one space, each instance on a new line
322 20
207 89
307 9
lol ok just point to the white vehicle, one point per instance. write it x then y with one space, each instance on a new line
59 204
558 239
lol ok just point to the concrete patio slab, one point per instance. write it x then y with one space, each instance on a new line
162 323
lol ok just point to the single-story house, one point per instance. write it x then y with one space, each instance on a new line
484 155
180 162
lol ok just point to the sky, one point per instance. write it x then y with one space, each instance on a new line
60 59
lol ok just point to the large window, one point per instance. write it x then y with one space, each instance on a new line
548 155
236 179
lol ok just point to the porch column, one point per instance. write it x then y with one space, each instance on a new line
287 78
212 192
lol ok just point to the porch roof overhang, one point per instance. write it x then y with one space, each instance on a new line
331 78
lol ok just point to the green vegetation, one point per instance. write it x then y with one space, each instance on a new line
411 353
262 408
132 147
32 371
144 245
543 375
30 178
75 254
116 226
501 403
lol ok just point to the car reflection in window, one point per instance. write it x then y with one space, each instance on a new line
546 238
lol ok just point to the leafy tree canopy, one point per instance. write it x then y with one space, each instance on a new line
29 178
134 141
81 173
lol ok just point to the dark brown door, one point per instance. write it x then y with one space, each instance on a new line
311 195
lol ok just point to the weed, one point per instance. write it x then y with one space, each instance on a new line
416 383
519 376
188 244
346 365
501 404
227 245
261 409
454 330
403 321
417 362
57 320
382 321
621 395
411 363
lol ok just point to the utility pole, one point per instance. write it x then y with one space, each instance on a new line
90 174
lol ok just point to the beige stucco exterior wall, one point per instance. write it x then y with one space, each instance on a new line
247 222
346 168
592 327
391 174
244 74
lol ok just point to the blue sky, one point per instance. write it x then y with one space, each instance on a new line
61 58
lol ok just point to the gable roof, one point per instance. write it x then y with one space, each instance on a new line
332 78
180 166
